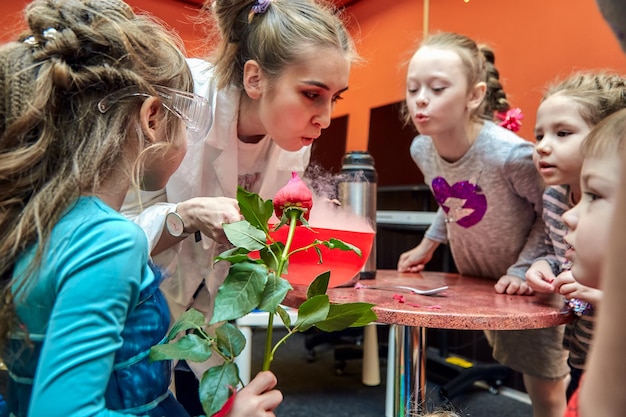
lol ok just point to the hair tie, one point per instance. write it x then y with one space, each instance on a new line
259 7
511 119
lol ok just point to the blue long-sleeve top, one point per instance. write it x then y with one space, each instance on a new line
91 316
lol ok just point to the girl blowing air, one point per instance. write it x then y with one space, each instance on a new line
489 194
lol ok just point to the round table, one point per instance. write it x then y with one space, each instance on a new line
469 303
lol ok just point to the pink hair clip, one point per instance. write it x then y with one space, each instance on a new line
259 7
511 119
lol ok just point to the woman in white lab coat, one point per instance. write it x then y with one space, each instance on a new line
278 73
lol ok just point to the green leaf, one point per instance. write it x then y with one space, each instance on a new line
190 347
333 243
319 255
216 386
234 255
319 285
271 254
288 216
256 211
312 311
342 316
190 319
365 319
244 235
274 293
241 291
283 221
284 316
230 340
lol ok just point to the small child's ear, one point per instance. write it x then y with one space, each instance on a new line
252 79
476 96
151 118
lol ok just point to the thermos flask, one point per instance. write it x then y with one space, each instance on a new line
357 191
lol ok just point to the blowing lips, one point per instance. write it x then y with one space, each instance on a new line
421 117
308 140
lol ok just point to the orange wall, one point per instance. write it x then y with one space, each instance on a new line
534 41
177 14
10 18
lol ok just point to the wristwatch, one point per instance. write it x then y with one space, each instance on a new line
175 225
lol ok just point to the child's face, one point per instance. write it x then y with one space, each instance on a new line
437 92
559 132
590 220
299 104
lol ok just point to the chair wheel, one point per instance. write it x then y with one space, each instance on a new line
492 390
340 367
494 387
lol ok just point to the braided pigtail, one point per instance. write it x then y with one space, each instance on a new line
495 98
598 94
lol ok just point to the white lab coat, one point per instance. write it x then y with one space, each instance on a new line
209 169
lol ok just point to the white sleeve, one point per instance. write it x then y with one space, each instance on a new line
147 209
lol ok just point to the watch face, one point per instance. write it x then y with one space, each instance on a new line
174 224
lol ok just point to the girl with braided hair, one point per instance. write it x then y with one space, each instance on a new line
95 100
489 193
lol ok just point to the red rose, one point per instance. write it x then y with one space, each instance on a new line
294 194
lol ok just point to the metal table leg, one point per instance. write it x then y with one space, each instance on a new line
410 370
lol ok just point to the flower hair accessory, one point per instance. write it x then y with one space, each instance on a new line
511 119
259 7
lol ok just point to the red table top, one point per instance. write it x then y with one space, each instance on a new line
469 303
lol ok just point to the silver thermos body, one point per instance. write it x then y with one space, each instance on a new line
357 191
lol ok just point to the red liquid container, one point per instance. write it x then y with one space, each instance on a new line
344 266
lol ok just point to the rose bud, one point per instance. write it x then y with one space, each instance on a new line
295 194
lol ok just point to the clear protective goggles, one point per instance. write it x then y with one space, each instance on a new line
192 109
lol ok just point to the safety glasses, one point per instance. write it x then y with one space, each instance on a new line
192 109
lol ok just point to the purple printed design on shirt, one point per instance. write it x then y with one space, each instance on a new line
462 202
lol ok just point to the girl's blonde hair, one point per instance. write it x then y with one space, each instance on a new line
479 65
285 33
598 94
55 144
607 137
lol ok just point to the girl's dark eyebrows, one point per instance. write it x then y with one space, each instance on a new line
318 84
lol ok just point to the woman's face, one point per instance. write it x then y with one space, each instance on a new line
294 108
